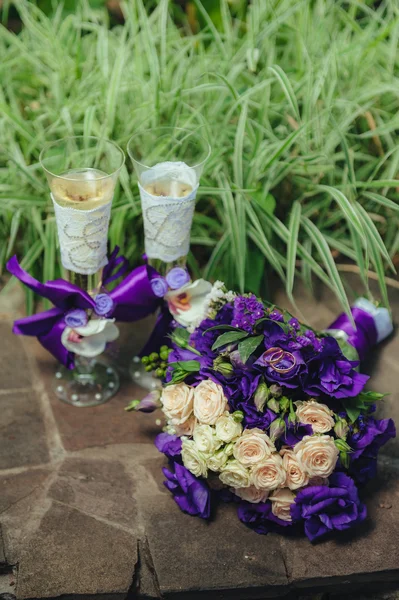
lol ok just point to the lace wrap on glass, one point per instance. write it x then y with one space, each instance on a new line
167 219
83 237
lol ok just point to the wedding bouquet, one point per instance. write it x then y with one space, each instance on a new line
264 411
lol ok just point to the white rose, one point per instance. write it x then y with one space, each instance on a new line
227 428
296 476
186 428
235 475
209 402
253 447
177 402
251 494
193 459
317 454
217 461
269 474
205 438
281 501
313 413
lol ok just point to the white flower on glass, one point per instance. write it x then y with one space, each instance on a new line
188 303
90 340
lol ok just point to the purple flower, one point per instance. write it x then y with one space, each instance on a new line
331 373
247 310
76 318
288 371
191 494
104 304
295 432
159 286
150 402
260 518
177 277
373 435
325 509
363 469
170 445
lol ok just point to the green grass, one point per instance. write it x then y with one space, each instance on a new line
300 104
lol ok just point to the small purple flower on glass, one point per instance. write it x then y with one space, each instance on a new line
76 318
159 286
104 304
177 277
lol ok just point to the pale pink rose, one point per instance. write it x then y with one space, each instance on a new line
186 428
281 501
313 413
296 476
253 447
317 455
177 403
269 474
251 494
209 402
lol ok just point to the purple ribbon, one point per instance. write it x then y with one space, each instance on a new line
364 337
133 299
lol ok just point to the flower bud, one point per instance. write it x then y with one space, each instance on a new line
345 460
276 429
284 404
148 404
342 446
275 390
236 360
225 368
228 449
238 416
341 429
292 418
274 405
261 396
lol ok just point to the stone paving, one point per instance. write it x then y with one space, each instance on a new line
83 512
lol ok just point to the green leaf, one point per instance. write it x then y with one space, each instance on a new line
248 347
189 365
292 248
228 338
221 327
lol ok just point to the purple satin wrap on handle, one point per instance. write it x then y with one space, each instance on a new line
364 337
133 299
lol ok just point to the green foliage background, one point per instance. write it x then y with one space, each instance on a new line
298 98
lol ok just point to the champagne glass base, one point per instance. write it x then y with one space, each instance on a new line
141 376
91 385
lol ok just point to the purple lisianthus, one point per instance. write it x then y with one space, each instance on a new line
191 494
177 277
330 372
325 509
159 286
294 432
104 304
170 445
287 371
374 434
150 402
76 318
260 518
363 469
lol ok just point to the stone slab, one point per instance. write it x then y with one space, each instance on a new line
14 367
97 487
22 431
74 554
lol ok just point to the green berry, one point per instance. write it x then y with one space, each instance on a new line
145 360
164 354
163 365
148 368
159 372
164 348
154 356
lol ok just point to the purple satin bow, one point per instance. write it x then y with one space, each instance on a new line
364 337
133 299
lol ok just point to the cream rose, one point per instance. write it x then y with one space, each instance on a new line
235 475
193 459
217 461
313 413
205 438
251 494
177 402
269 474
295 475
253 447
227 428
317 455
281 501
209 402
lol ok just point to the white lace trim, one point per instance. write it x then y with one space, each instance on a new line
83 237
167 220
